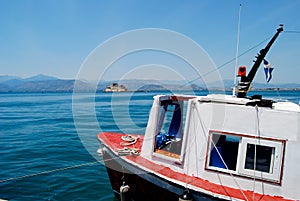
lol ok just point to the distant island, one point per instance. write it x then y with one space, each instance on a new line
43 83
115 87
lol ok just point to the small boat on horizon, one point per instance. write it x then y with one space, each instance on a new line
213 147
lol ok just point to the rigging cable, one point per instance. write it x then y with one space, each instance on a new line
228 62
256 137
204 130
298 32
54 170
235 58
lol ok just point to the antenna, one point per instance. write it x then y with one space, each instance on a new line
237 52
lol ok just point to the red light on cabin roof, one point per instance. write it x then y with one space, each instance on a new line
242 71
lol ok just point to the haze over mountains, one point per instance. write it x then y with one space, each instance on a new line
44 83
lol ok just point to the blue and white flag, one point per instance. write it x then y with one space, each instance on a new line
268 70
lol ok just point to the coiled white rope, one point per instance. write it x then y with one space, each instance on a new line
128 140
127 151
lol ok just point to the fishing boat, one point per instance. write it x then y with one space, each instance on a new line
213 147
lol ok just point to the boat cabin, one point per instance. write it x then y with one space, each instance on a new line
226 140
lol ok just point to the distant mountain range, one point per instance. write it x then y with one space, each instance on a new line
44 83
40 83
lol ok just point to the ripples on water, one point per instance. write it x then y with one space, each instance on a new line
37 133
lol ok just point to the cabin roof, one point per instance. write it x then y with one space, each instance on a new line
229 99
222 98
288 106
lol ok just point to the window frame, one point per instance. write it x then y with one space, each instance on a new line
184 106
210 145
278 158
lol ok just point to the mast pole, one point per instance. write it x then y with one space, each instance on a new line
237 51
247 80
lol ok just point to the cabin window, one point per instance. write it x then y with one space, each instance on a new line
264 158
261 158
246 156
170 128
223 151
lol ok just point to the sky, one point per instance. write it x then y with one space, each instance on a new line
56 37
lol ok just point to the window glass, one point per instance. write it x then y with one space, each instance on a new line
169 112
170 128
224 151
264 155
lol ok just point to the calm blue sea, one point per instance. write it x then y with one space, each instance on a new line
52 131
